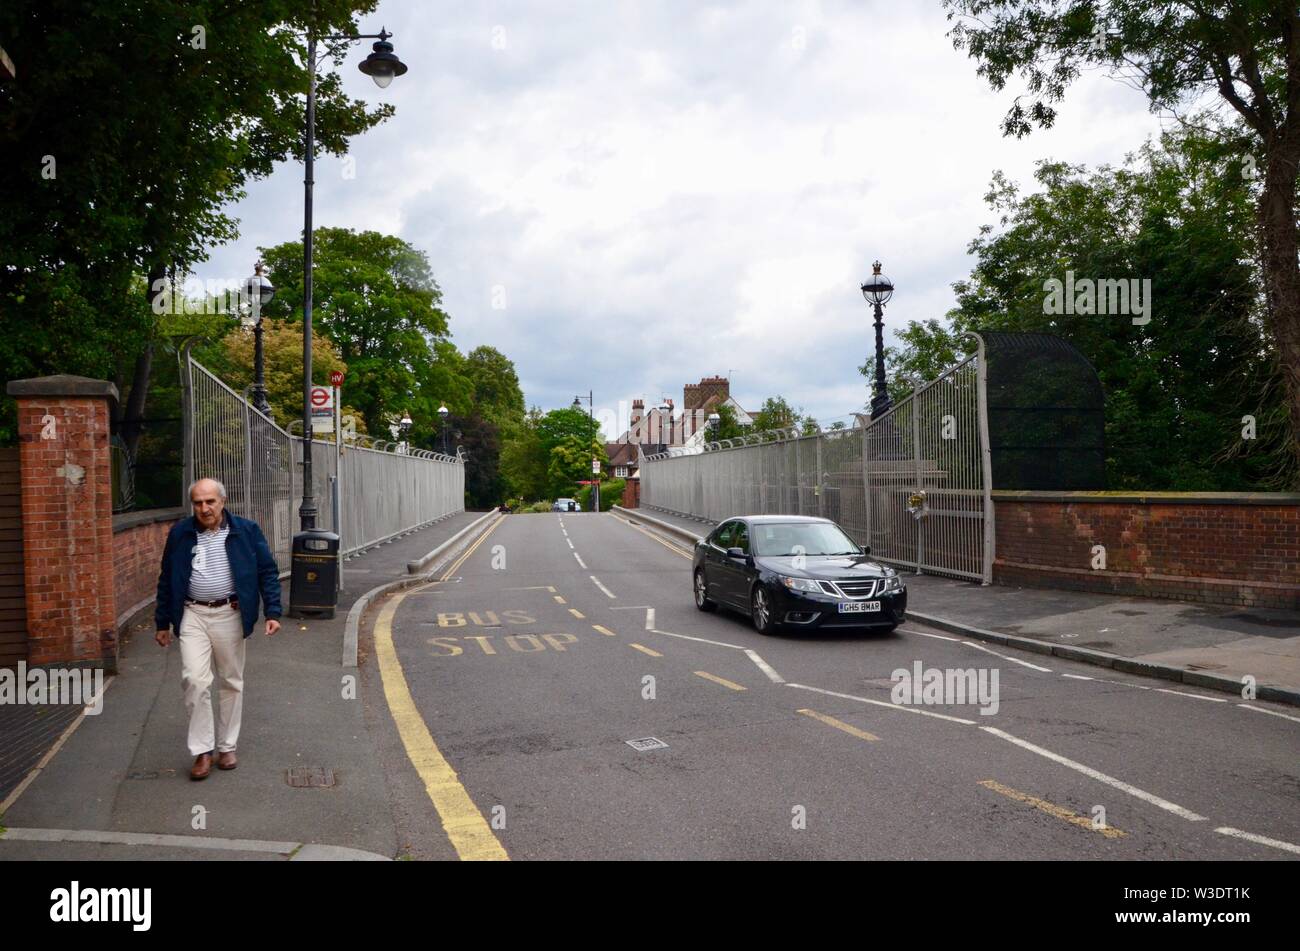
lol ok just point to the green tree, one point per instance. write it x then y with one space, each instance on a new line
776 413
165 110
496 392
523 458
1246 52
374 295
1176 386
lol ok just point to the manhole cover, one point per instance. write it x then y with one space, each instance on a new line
647 743
309 777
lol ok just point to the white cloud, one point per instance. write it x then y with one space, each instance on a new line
670 190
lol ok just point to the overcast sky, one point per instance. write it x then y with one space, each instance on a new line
626 196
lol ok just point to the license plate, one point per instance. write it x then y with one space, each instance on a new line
859 607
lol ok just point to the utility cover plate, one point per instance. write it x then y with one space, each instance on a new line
309 777
647 743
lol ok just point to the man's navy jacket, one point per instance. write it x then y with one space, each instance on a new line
251 565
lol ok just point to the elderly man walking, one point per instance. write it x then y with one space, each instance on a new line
215 566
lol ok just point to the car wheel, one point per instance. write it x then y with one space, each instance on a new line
760 609
702 593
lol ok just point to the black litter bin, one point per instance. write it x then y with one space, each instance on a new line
313 581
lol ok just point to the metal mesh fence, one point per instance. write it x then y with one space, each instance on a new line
913 484
381 494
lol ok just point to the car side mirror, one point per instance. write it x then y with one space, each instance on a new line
866 549
735 553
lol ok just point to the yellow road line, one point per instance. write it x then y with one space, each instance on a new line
469 551
578 614
559 600
719 680
670 547
1052 809
646 650
840 725
470 834
604 630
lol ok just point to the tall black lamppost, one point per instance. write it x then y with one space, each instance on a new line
878 290
591 415
711 427
381 66
443 413
258 292
405 425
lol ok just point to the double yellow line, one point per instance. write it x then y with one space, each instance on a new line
470 834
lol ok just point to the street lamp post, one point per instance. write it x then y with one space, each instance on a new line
878 290
406 430
258 292
591 415
443 413
712 426
381 66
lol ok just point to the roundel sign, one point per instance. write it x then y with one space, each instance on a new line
336 377
320 397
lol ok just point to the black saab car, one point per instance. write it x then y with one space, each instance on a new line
795 572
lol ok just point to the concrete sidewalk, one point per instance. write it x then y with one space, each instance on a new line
1207 644
119 787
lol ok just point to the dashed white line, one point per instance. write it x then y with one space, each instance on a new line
881 703
580 561
766 668
570 542
1078 677
1272 713
608 593
1259 839
1194 696
1099 776
937 637
1014 660
649 619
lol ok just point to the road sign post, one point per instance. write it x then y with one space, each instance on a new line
336 382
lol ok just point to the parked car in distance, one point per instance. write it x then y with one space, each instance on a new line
795 572
564 505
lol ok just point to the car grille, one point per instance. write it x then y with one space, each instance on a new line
858 590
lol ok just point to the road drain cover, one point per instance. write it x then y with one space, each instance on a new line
647 743
309 777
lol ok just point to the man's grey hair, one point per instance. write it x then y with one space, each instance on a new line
221 489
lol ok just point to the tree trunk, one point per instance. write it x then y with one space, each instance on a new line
1281 272
133 414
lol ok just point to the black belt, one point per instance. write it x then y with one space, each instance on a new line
228 599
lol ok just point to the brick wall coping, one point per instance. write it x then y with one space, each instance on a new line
127 520
1152 498
62 384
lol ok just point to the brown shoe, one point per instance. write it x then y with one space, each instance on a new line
227 760
202 766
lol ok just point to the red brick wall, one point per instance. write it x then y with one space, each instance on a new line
631 494
63 433
1222 548
138 541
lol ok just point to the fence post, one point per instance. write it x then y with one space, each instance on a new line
986 460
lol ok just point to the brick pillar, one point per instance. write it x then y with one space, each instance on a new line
67 512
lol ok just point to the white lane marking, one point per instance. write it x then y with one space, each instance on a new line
687 637
766 668
649 619
1272 713
1194 696
603 588
881 703
570 542
1258 839
565 531
580 561
1099 776
939 637
1014 660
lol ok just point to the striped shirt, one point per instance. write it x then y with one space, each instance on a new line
211 579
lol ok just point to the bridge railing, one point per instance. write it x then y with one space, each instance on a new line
382 492
913 484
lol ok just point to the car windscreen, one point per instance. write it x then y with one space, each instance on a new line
801 538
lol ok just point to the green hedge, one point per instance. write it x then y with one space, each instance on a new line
611 493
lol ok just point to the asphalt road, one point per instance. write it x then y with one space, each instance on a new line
503 699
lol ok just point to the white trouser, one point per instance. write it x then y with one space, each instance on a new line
212 637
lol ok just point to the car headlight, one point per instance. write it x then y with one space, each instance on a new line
890 585
801 584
